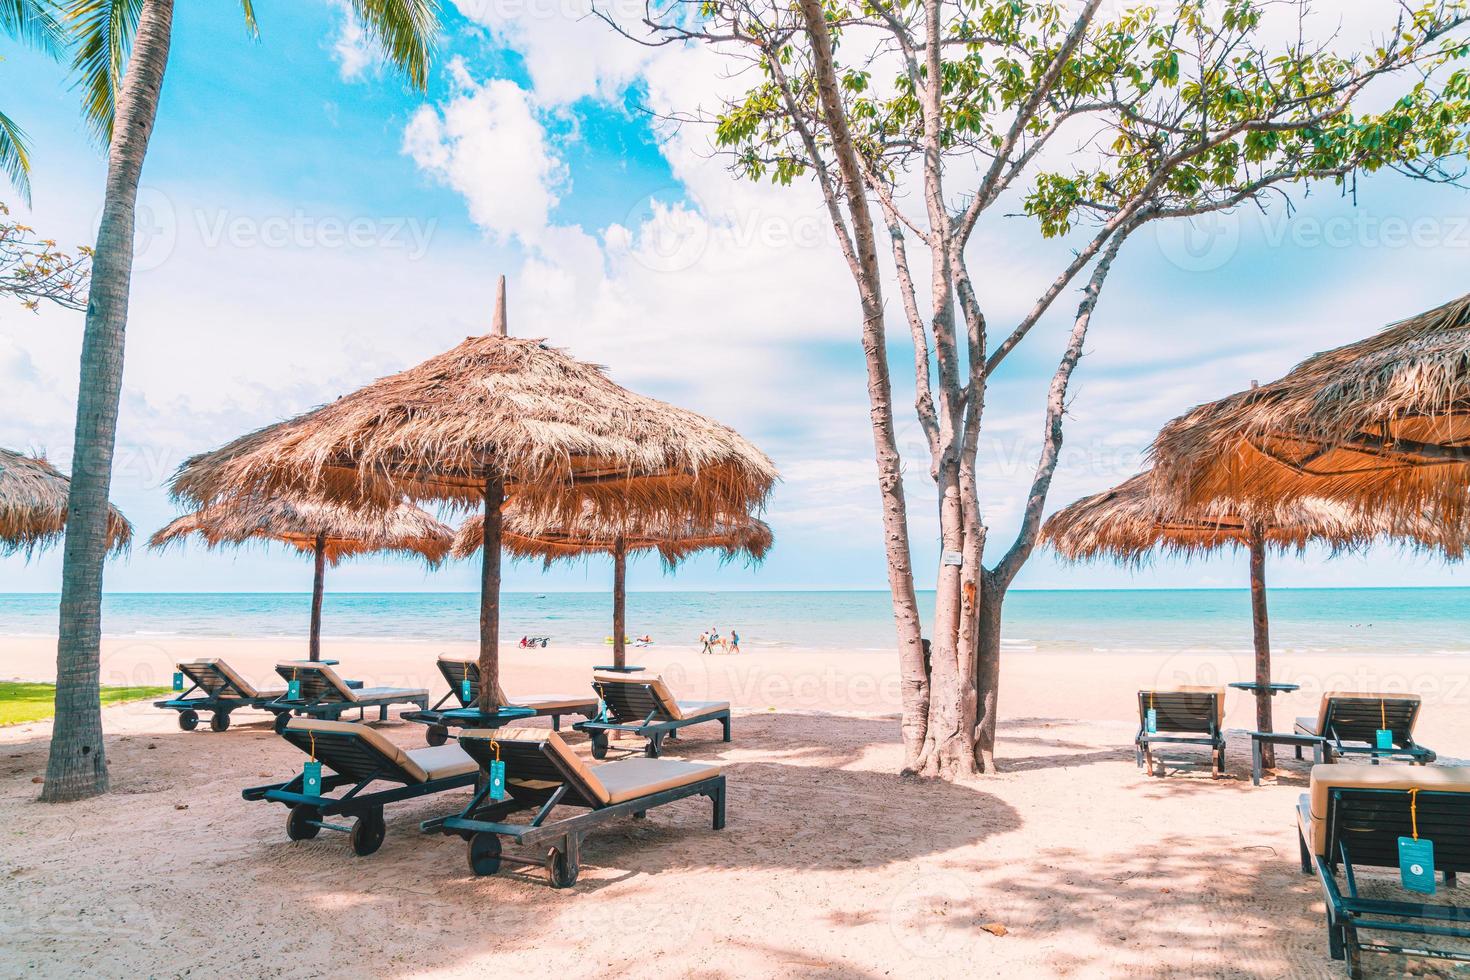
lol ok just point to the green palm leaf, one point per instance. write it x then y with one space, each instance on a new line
104 30
405 30
15 158
35 22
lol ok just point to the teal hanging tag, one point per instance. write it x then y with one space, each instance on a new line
178 681
466 691
497 780
311 778
293 689
1416 864
1383 738
1151 721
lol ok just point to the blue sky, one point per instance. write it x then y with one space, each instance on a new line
309 224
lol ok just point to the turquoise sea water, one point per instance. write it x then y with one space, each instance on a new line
1302 620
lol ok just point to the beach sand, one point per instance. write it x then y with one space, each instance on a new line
1068 863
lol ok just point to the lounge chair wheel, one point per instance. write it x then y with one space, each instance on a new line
436 735
282 720
219 721
484 853
562 873
367 833
188 720
301 822
599 745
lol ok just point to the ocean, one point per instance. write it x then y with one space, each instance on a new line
1434 621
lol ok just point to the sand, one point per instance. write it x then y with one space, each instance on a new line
1068 863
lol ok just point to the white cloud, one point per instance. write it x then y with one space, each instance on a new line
352 48
487 143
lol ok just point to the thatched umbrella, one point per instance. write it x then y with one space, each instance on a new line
496 416
1383 423
33 506
673 538
329 532
1133 521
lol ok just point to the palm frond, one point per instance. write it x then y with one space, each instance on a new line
247 7
104 30
405 30
34 22
15 158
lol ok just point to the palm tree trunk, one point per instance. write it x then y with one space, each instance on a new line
490 596
318 586
77 767
620 602
1262 634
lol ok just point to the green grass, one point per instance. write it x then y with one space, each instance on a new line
21 702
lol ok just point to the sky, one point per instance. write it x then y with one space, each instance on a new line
307 223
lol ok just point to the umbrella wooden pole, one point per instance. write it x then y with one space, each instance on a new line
318 586
1261 628
620 601
490 596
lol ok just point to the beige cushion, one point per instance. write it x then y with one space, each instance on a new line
629 779
388 693
1307 725
442 761
1330 696
345 693
242 685
368 736
1219 693
1325 778
545 704
693 709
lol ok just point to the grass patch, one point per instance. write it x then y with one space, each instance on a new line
21 702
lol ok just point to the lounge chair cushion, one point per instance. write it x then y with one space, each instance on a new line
209 665
388 694
1307 725
1319 724
674 709
1325 778
545 704
1219 693
629 779
442 761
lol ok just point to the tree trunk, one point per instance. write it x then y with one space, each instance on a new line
620 602
77 766
490 596
318 587
1261 628
863 261
987 670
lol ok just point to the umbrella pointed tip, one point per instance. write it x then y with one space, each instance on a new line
498 327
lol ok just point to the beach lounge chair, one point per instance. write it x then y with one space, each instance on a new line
457 670
643 706
1349 723
1351 819
222 690
358 756
542 772
325 695
1184 716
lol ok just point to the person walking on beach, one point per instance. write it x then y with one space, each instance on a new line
704 640
734 646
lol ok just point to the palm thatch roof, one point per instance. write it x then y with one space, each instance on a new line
1383 423
673 538
1133 521
346 531
559 432
33 506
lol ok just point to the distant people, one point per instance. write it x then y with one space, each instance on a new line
734 646
645 640
704 641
